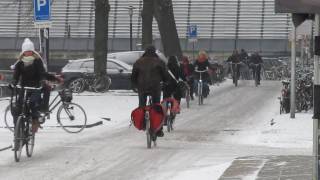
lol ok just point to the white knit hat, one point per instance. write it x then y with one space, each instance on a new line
27 45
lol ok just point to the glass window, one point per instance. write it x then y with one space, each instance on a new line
88 65
112 65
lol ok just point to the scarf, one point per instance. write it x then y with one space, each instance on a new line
27 60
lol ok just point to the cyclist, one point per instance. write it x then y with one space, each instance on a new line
188 71
256 59
29 71
171 88
244 56
147 74
201 64
235 58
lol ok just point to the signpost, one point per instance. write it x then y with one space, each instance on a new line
42 20
193 36
301 10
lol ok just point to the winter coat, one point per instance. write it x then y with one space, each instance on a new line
243 56
171 87
31 75
147 74
201 66
234 58
187 69
256 59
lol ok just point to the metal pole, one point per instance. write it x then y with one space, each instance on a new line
130 32
47 48
40 41
293 74
316 106
193 51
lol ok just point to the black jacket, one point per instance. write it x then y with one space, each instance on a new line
256 59
201 66
147 74
32 75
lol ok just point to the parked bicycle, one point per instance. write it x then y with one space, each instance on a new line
91 82
200 86
285 98
70 116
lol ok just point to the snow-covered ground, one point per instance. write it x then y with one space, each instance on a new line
233 122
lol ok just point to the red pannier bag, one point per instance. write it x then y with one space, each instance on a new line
156 117
137 117
175 105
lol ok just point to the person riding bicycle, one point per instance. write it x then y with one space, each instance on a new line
244 56
29 71
188 71
202 64
147 74
235 58
171 88
256 59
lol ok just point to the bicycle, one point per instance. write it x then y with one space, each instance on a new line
23 134
255 74
170 116
235 73
151 135
285 98
200 86
91 82
187 95
70 116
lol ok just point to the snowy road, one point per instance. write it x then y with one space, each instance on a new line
205 141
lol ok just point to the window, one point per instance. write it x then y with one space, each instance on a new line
112 65
88 65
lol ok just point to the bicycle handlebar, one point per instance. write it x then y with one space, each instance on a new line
201 71
24 87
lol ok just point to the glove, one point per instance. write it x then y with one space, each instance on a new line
59 79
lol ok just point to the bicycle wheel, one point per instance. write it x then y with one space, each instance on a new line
188 97
30 139
102 84
71 117
169 123
8 119
77 85
18 139
148 132
199 93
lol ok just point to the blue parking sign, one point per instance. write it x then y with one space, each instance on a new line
42 10
192 31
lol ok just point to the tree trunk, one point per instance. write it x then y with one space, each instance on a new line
147 18
101 36
167 27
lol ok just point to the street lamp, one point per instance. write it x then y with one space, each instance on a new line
130 10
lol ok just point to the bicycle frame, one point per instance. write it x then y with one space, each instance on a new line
235 74
151 136
255 73
200 86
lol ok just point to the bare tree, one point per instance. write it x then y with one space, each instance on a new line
147 19
101 36
162 10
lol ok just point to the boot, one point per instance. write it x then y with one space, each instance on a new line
35 125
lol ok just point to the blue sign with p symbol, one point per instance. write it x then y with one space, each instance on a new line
192 31
42 10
